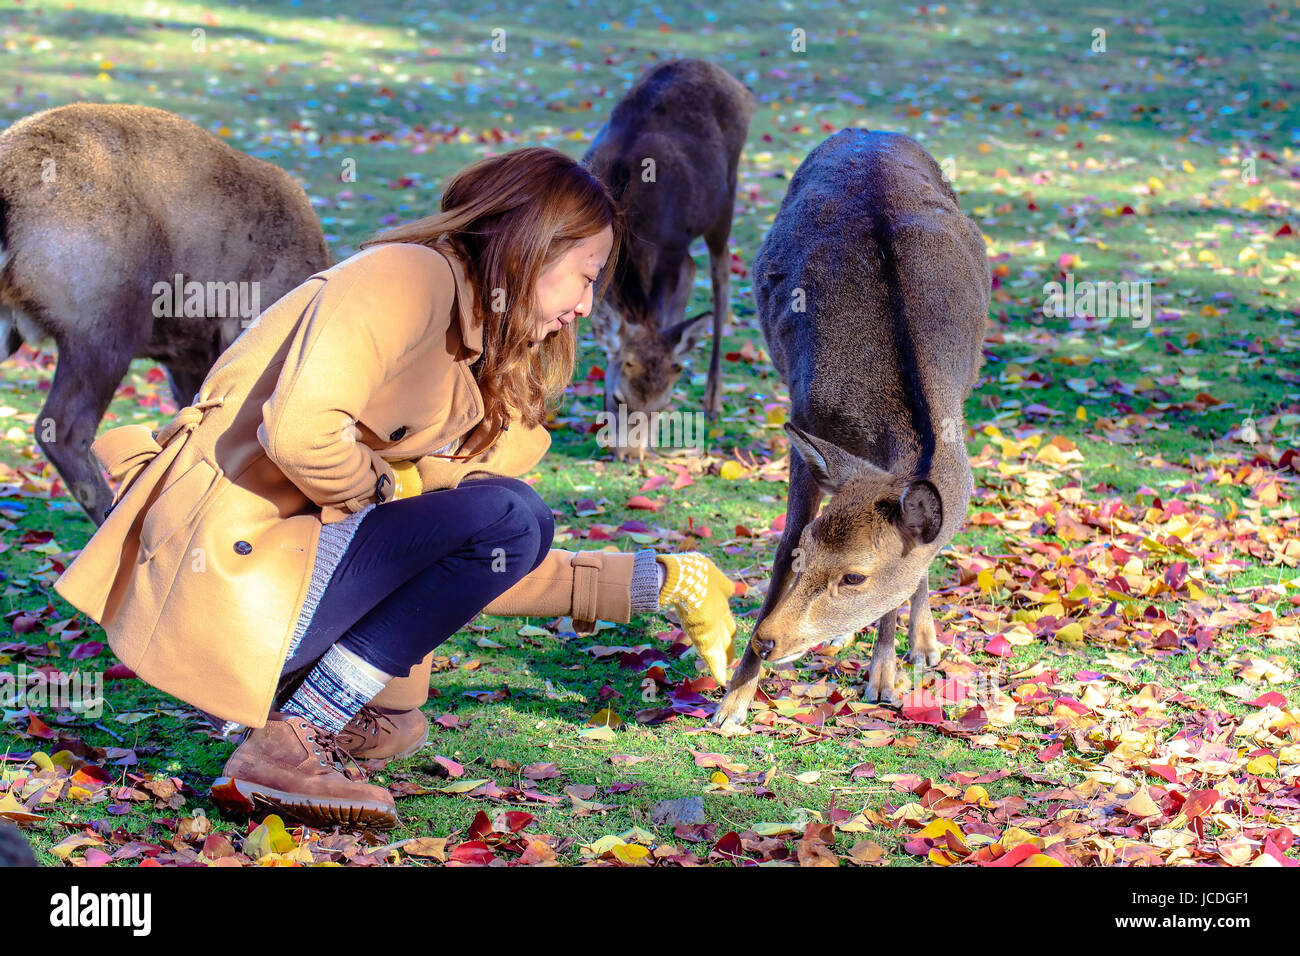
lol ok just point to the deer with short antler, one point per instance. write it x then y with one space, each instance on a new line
669 156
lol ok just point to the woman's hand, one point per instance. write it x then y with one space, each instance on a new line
698 591
408 479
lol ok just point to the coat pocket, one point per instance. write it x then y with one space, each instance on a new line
178 505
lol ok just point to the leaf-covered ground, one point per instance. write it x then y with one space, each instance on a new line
1121 617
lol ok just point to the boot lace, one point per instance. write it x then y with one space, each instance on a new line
328 746
368 720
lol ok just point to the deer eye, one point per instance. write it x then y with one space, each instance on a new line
852 580
677 366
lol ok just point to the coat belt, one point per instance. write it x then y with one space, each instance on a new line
126 450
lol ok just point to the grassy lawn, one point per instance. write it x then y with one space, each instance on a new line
1120 615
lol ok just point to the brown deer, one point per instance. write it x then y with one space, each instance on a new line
102 208
668 156
872 290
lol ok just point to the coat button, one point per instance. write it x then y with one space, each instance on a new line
397 434
243 547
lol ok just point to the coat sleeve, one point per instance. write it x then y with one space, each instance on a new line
347 345
587 585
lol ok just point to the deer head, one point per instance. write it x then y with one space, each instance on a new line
859 559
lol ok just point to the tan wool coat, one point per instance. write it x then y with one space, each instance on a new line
200 570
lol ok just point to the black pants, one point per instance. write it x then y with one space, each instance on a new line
419 569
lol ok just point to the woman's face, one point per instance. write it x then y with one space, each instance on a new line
564 288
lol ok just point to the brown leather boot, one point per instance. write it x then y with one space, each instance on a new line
288 767
383 734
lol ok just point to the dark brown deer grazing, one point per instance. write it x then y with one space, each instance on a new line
101 208
668 155
872 290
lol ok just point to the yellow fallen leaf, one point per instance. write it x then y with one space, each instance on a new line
1014 836
810 776
1042 859
270 836
731 470
938 828
632 854
1140 804
600 847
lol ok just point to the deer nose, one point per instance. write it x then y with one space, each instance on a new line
763 647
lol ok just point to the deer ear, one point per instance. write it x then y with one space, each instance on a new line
607 327
920 512
830 464
686 333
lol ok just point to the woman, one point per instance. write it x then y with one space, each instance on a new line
342 495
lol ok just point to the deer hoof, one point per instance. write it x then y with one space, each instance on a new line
730 715
712 404
924 657
881 695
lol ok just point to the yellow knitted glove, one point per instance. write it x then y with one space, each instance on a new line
408 479
698 591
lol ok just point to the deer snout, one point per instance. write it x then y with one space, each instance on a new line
763 647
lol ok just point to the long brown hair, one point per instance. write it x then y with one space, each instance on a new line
507 217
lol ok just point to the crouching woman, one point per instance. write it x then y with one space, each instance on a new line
343 495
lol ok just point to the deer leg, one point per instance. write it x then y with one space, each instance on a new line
720 273
802 501
85 379
884 663
922 641
184 383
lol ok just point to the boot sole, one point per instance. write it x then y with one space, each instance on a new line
244 796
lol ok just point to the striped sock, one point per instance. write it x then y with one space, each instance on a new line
333 692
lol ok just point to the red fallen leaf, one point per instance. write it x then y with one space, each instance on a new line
597 533
1272 698
472 853
999 646
480 827
1164 771
642 503
1286 230
778 523
974 718
452 767
683 477
119 672
743 532
541 771
1282 837
729 843
653 482
451 722
1048 754
1272 850
96 857
921 707
38 728
919 846
1014 857
1200 801
83 651
1127 211
24 624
